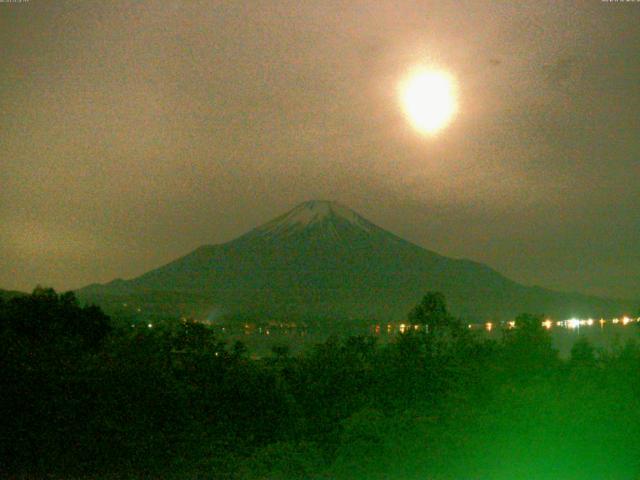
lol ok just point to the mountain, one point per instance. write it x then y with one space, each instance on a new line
9 294
323 260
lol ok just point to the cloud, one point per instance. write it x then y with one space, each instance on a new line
562 70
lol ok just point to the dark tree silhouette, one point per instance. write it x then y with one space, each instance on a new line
582 353
528 347
431 312
45 316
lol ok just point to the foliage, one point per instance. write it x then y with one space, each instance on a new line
431 312
84 400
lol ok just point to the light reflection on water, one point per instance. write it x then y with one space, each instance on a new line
604 334
609 337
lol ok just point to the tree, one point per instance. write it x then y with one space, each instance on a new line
528 347
283 461
583 353
48 343
440 330
195 337
281 352
239 349
47 317
431 312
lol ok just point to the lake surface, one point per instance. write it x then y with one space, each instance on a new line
608 336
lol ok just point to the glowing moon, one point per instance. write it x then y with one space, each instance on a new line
429 100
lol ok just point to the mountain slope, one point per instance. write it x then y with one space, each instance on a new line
321 259
9 294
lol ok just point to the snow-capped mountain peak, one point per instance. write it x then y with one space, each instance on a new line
311 213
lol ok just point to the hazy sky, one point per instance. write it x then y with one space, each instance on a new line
133 132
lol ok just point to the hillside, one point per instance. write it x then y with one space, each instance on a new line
323 260
9 294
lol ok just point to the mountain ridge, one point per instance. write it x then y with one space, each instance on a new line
9 294
323 259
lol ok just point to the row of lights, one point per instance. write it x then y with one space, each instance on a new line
571 324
